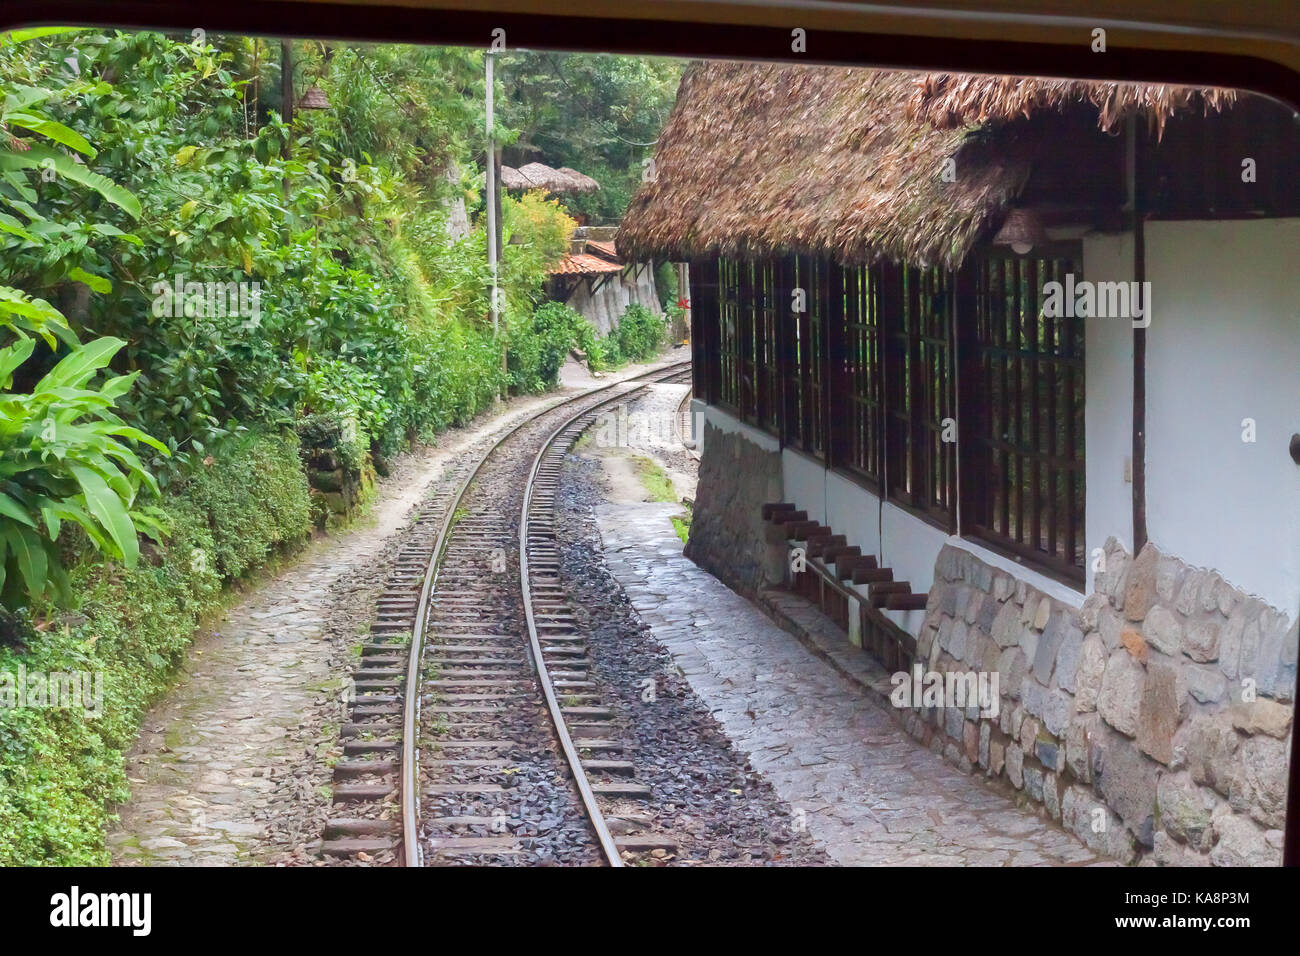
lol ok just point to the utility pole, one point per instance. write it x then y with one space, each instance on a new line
492 197
286 114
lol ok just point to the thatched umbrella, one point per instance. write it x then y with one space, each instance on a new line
541 176
314 99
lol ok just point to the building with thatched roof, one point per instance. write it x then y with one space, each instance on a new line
1000 373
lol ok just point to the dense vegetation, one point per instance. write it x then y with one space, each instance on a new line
600 115
192 291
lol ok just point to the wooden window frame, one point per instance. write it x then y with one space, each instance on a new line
1005 371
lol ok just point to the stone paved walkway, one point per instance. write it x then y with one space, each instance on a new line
870 794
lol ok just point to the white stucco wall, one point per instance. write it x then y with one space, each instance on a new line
1108 404
899 539
1224 345
634 285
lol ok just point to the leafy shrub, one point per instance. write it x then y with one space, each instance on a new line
61 771
537 351
253 500
640 334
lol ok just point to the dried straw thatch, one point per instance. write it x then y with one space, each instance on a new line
960 99
763 159
541 176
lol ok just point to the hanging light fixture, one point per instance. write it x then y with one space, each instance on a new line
1021 230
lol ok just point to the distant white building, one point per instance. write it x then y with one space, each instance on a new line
594 281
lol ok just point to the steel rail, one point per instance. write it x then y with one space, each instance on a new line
409 772
691 446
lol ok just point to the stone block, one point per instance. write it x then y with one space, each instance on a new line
1006 625
1032 696
1029 643
956 645
964 595
1169 576
1189 595
1087 615
1088 818
1185 808
1163 630
1241 843
925 639
1257 781
970 740
1015 758
1127 780
1067 659
1057 709
997 757
1052 795
1161 710
1121 692
1078 745
1087 679
1227 598
1029 730
1050 753
1262 716
1201 641
1276 667
1048 644
1043 613
985 735
972 611
1116 576
1207 744
988 610
1132 642
1110 626
952 722
1034 783
1206 684
1230 645
1002 586
1140 594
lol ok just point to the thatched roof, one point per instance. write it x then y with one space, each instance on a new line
760 159
541 176
961 99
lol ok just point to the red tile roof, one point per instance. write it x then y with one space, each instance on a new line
584 264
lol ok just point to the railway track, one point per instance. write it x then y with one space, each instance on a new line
474 733
685 434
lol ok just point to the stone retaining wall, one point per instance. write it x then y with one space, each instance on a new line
727 530
1153 722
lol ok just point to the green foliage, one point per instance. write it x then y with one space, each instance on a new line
253 500
601 115
536 355
61 460
640 334
149 170
61 770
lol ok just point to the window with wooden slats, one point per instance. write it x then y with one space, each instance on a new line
730 336
920 468
862 343
805 425
1023 467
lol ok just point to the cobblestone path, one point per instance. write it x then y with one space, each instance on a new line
869 793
